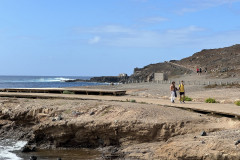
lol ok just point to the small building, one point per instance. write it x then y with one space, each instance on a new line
160 77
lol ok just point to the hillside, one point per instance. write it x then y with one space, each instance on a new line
147 73
221 62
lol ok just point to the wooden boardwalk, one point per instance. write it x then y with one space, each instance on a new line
85 91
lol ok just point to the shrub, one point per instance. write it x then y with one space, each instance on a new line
237 103
133 100
210 100
68 92
187 98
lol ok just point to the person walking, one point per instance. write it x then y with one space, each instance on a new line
173 90
182 92
197 71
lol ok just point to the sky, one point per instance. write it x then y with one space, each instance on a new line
108 37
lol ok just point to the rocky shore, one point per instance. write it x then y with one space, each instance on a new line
121 130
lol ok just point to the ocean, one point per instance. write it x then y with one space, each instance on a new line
43 81
10 148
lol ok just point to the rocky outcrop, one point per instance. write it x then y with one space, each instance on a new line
103 79
109 79
126 130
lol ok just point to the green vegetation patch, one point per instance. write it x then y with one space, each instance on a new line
187 98
237 103
68 92
133 101
210 100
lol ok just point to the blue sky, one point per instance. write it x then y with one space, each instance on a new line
108 37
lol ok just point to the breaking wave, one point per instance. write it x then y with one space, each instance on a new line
8 146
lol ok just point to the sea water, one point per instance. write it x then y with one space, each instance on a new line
10 149
43 81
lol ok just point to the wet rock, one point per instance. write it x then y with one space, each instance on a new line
204 133
29 148
33 158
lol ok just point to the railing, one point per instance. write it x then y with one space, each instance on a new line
212 82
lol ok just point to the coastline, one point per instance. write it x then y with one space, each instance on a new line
122 129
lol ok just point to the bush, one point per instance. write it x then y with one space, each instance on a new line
187 98
133 100
237 103
210 100
68 92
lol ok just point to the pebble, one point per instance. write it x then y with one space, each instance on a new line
76 113
203 142
92 113
58 118
237 142
204 133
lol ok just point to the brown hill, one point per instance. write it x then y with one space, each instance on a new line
147 73
221 62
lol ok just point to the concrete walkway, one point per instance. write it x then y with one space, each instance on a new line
230 110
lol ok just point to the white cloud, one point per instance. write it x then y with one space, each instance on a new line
197 5
111 29
186 30
145 38
155 19
189 36
94 40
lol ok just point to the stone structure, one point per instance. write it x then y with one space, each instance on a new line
160 77
122 75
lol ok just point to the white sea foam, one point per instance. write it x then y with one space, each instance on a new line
7 147
58 79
